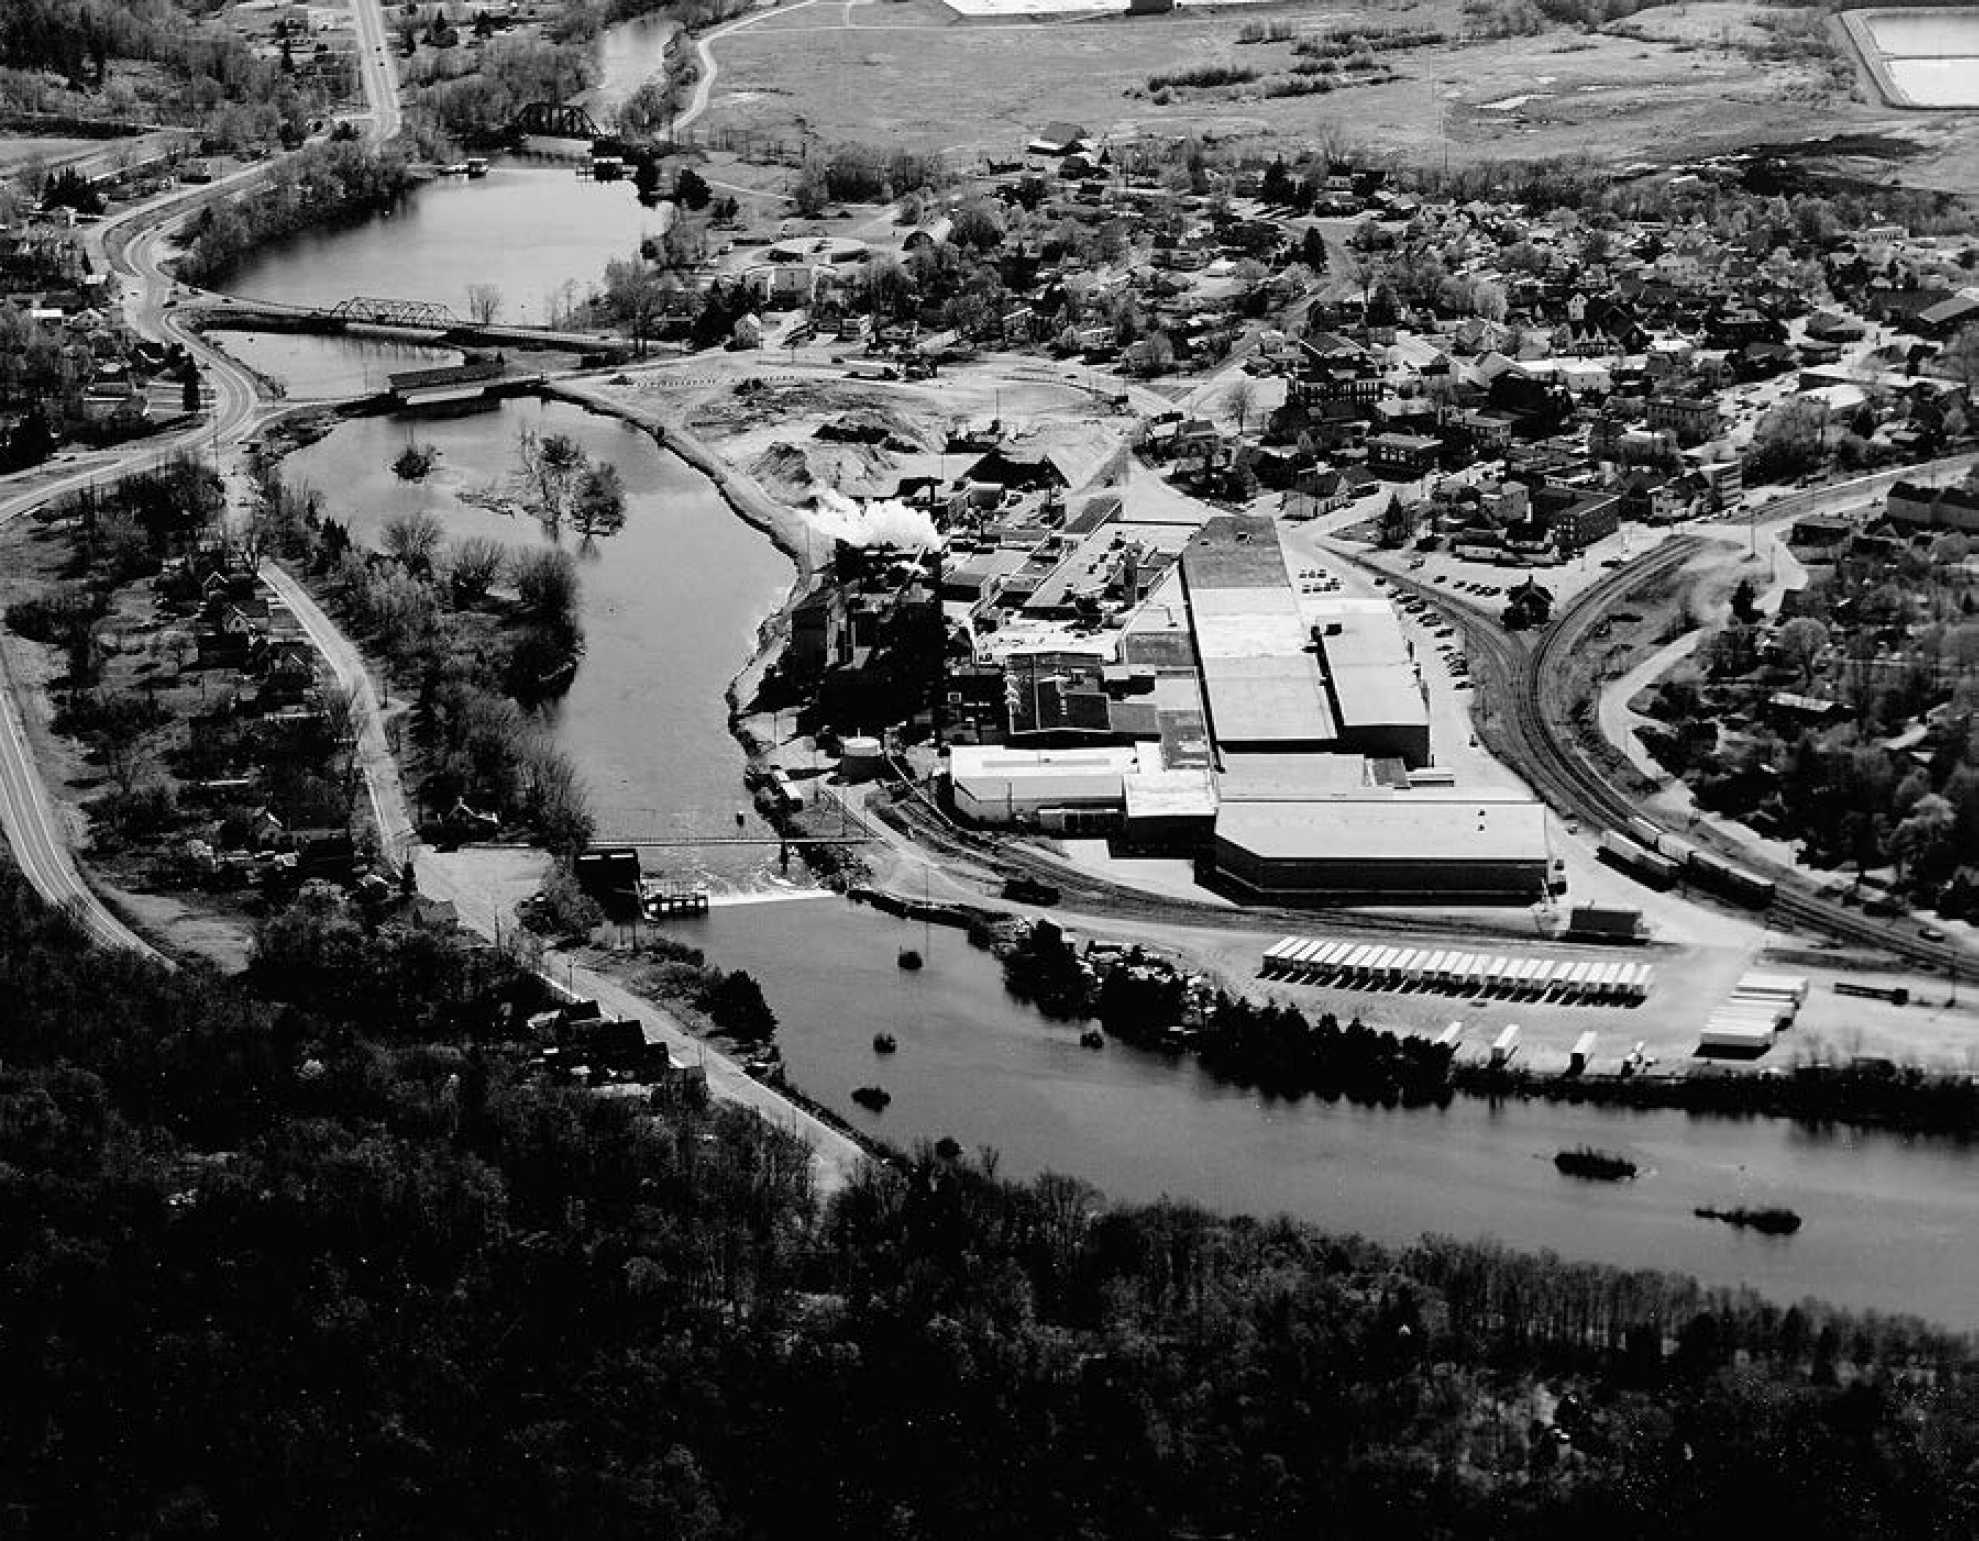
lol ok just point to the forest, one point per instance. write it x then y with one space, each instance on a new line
156 60
307 1252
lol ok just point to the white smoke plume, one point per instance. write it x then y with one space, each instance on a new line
879 522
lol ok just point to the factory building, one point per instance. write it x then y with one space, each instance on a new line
1269 734
1383 847
1282 675
1077 791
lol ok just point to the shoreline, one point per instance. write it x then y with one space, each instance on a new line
785 528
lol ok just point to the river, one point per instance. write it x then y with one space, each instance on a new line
534 229
1890 1222
670 607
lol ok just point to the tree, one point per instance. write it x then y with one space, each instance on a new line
1398 523
1922 842
546 585
737 1006
977 225
1242 399
550 468
1960 356
474 566
1800 644
189 387
1745 602
599 506
1788 441
484 303
691 190
413 540
634 298
1312 250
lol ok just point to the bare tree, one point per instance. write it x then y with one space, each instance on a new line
484 303
343 721
474 566
551 469
1242 399
413 540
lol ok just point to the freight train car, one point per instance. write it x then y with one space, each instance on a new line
1645 866
1732 882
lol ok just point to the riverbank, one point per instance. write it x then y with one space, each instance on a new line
788 530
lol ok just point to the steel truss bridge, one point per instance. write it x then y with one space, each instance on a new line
369 310
555 121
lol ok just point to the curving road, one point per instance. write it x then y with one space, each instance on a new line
132 244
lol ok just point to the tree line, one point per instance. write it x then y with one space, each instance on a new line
312 1251
319 184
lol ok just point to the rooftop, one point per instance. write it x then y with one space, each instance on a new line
1371 826
1268 699
1234 551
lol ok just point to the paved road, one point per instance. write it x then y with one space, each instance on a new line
484 893
133 245
704 82
389 810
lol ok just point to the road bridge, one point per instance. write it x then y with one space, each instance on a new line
433 322
694 842
373 311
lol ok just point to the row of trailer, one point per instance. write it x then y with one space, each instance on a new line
1658 858
1760 1008
1373 966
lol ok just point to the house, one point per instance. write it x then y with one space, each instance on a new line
1653 497
1057 138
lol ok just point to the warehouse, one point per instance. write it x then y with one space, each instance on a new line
1262 688
1383 848
1282 675
1373 689
1073 790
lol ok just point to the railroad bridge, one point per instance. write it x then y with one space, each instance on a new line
550 126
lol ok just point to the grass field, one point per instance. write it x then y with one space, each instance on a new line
1672 81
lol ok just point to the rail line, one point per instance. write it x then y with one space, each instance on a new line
1538 740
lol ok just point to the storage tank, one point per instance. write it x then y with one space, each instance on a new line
860 758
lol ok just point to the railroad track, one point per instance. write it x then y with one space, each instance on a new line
1536 737
1081 892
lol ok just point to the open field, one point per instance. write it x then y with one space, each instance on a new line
845 72
20 151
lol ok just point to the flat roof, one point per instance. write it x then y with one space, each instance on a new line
1399 827
1253 634
1000 760
1235 551
1172 793
1378 695
1268 700
1242 599
1290 777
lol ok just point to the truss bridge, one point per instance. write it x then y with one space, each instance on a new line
370 310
